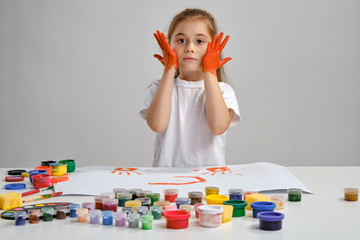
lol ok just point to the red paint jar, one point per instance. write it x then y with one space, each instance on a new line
170 194
41 181
177 219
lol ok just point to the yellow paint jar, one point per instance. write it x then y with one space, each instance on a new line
134 204
351 194
211 190
216 199
227 214
59 169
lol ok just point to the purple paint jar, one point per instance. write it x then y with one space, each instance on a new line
270 221
259 207
120 219
95 216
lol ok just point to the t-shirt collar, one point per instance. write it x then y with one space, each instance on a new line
191 84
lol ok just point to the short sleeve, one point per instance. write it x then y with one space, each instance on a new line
150 93
231 102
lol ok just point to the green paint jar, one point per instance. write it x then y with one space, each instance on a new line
123 197
156 211
239 207
154 197
70 164
48 213
147 221
294 194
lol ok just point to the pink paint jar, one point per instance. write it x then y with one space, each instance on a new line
210 215
110 204
170 194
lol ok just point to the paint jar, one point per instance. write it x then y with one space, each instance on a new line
95 216
255 197
98 202
294 194
196 197
142 193
270 221
70 164
216 199
187 208
170 208
170 194
154 197
235 194
110 204
239 207
20 218
144 202
108 217
279 201
248 193
47 163
58 169
228 213
210 215
108 194
134 219
120 219
73 208
123 197
34 215
162 204
146 222
134 191
82 215
351 194
262 207
32 173
133 203
182 201
48 213
127 210
61 212
196 206
46 168
117 190
156 211
177 219
88 205
211 190
142 210
41 181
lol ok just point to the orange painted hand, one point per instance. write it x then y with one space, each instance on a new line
169 60
211 61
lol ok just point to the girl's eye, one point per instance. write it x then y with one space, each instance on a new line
199 41
181 40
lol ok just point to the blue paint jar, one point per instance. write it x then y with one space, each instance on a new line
73 208
182 201
236 194
36 172
108 217
262 207
270 221
20 217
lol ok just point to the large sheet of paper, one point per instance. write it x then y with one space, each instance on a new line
250 177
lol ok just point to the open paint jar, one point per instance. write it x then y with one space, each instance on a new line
279 201
239 207
196 197
70 164
177 219
210 215
216 199
351 194
270 221
170 194
262 207
294 194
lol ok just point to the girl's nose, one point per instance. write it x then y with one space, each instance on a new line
189 48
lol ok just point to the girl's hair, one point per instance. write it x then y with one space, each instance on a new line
197 13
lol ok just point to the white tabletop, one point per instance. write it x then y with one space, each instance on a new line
322 215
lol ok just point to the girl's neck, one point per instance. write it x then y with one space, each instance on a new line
191 76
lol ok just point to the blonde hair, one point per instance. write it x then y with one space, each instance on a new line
212 27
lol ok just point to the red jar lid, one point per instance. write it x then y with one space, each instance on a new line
177 219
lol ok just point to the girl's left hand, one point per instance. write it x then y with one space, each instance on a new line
211 61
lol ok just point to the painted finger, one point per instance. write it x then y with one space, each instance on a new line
218 41
222 45
213 41
158 39
222 62
160 58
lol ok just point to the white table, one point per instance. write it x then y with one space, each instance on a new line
322 215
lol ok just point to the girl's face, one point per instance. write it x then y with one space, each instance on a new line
189 41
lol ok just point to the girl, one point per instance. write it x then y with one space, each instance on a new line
191 107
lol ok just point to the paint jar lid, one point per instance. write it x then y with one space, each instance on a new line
95 212
156 208
171 191
147 218
195 194
351 190
20 214
294 191
49 210
181 201
263 205
142 209
144 201
123 195
74 206
236 191
211 209
117 190
236 203
15 186
81 211
107 213
120 215
270 216
47 163
215 198
177 215
16 172
133 216
133 203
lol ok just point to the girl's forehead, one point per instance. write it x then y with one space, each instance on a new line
192 27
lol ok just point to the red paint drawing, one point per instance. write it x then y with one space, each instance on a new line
215 170
127 171
197 180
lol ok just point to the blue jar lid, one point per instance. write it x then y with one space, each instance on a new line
263 205
15 186
270 216
107 213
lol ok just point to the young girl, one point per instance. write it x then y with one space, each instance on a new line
191 107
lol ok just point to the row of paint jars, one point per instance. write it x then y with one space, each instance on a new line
47 214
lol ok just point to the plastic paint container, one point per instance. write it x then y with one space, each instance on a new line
133 191
210 215
255 197
248 193
20 218
182 201
120 219
108 194
98 202
34 215
279 201
70 165
61 212
47 163
170 194
294 194
88 205
108 217
110 204
133 203
134 219
117 190
177 219
36 172
142 210
235 194
153 197
196 206
146 221
58 169
216 199
123 197
144 202
211 190
95 216
48 213
262 207
46 168
239 207
162 204
82 215
128 210
270 221
196 197
73 208
228 213
156 211
142 193
41 181
187 208
351 194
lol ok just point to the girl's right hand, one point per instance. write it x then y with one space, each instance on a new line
169 60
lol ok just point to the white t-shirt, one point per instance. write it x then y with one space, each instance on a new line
188 141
